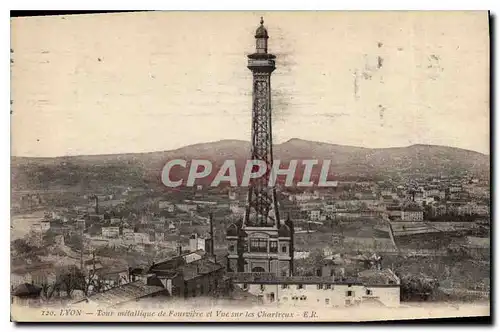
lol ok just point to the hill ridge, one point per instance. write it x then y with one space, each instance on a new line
292 140
347 162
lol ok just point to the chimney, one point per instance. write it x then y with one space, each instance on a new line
289 223
96 204
211 248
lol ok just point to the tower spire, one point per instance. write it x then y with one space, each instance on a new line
261 37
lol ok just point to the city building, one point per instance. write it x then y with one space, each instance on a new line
165 205
159 236
102 278
187 279
237 208
232 195
128 234
38 274
372 285
412 212
315 214
111 232
196 242
141 238
187 275
186 207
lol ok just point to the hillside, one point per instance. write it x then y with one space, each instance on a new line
144 169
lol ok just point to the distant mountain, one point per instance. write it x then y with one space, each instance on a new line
144 169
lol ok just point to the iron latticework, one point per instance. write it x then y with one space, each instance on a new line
262 209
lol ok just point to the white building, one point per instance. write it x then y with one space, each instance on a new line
165 205
111 231
192 256
305 196
481 209
429 200
432 193
171 227
310 205
59 240
382 287
236 208
232 195
412 212
128 233
410 215
159 236
301 254
315 214
140 238
187 207
196 242
472 208
330 208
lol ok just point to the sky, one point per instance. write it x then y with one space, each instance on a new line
140 82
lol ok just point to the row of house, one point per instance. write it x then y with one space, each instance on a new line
380 286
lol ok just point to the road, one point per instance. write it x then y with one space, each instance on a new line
385 217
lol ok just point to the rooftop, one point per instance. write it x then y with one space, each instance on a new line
261 31
189 269
111 270
26 290
271 278
198 268
378 277
125 293
42 266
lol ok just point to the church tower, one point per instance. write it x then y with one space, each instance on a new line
260 242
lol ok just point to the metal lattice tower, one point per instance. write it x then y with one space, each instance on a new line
262 208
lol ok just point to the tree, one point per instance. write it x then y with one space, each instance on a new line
48 290
418 287
49 238
310 265
75 242
69 279
21 246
